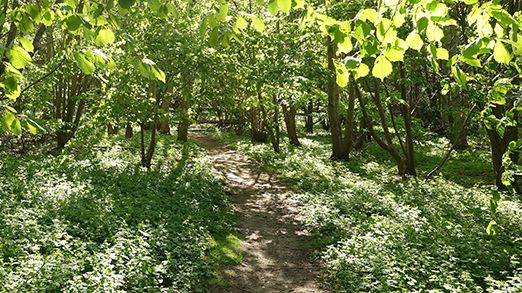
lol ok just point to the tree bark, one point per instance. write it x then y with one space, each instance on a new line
128 130
401 165
164 127
499 146
184 124
338 150
309 118
289 113
406 114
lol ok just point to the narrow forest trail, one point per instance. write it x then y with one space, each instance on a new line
273 241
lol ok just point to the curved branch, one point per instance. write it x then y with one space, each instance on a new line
448 153
43 77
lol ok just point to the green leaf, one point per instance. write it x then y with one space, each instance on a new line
16 127
8 120
393 54
382 67
126 4
105 37
258 24
471 61
285 5
11 87
299 4
222 13
273 8
149 70
26 44
500 53
459 75
32 129
48 17
352 63
73 22
86 66
369 14
491 230
362 71
159 74
241 23
472 49
345 46
391 3
386 33
18 57
434 33
342 75
442 54
414 41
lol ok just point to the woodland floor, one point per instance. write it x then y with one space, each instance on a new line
273 240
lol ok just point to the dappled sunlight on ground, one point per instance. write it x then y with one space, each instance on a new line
273 240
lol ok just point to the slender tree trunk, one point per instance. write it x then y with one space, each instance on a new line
349 127
271 127
184 124
338 150
164 127
406 114
151 149
289 113
309 118
401 165
142 145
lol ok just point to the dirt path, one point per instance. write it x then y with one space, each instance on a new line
273 241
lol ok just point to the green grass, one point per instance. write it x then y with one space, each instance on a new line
93 220
376 232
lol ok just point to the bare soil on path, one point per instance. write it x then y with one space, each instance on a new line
273 240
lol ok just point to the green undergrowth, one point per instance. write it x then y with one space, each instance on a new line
93 220
376 232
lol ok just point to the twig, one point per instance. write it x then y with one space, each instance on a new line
43 77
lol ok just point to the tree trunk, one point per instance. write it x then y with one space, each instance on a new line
257 132
152 147
309 118
112 130
338 150
499 146
289 113
142 144
164 127
406 114
184 124
183 127
349 127
388 144
128 130
271 134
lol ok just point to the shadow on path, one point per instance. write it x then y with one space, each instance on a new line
273 240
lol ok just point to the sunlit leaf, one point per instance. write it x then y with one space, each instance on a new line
86 66
382 67
500 53
105 37
18 57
